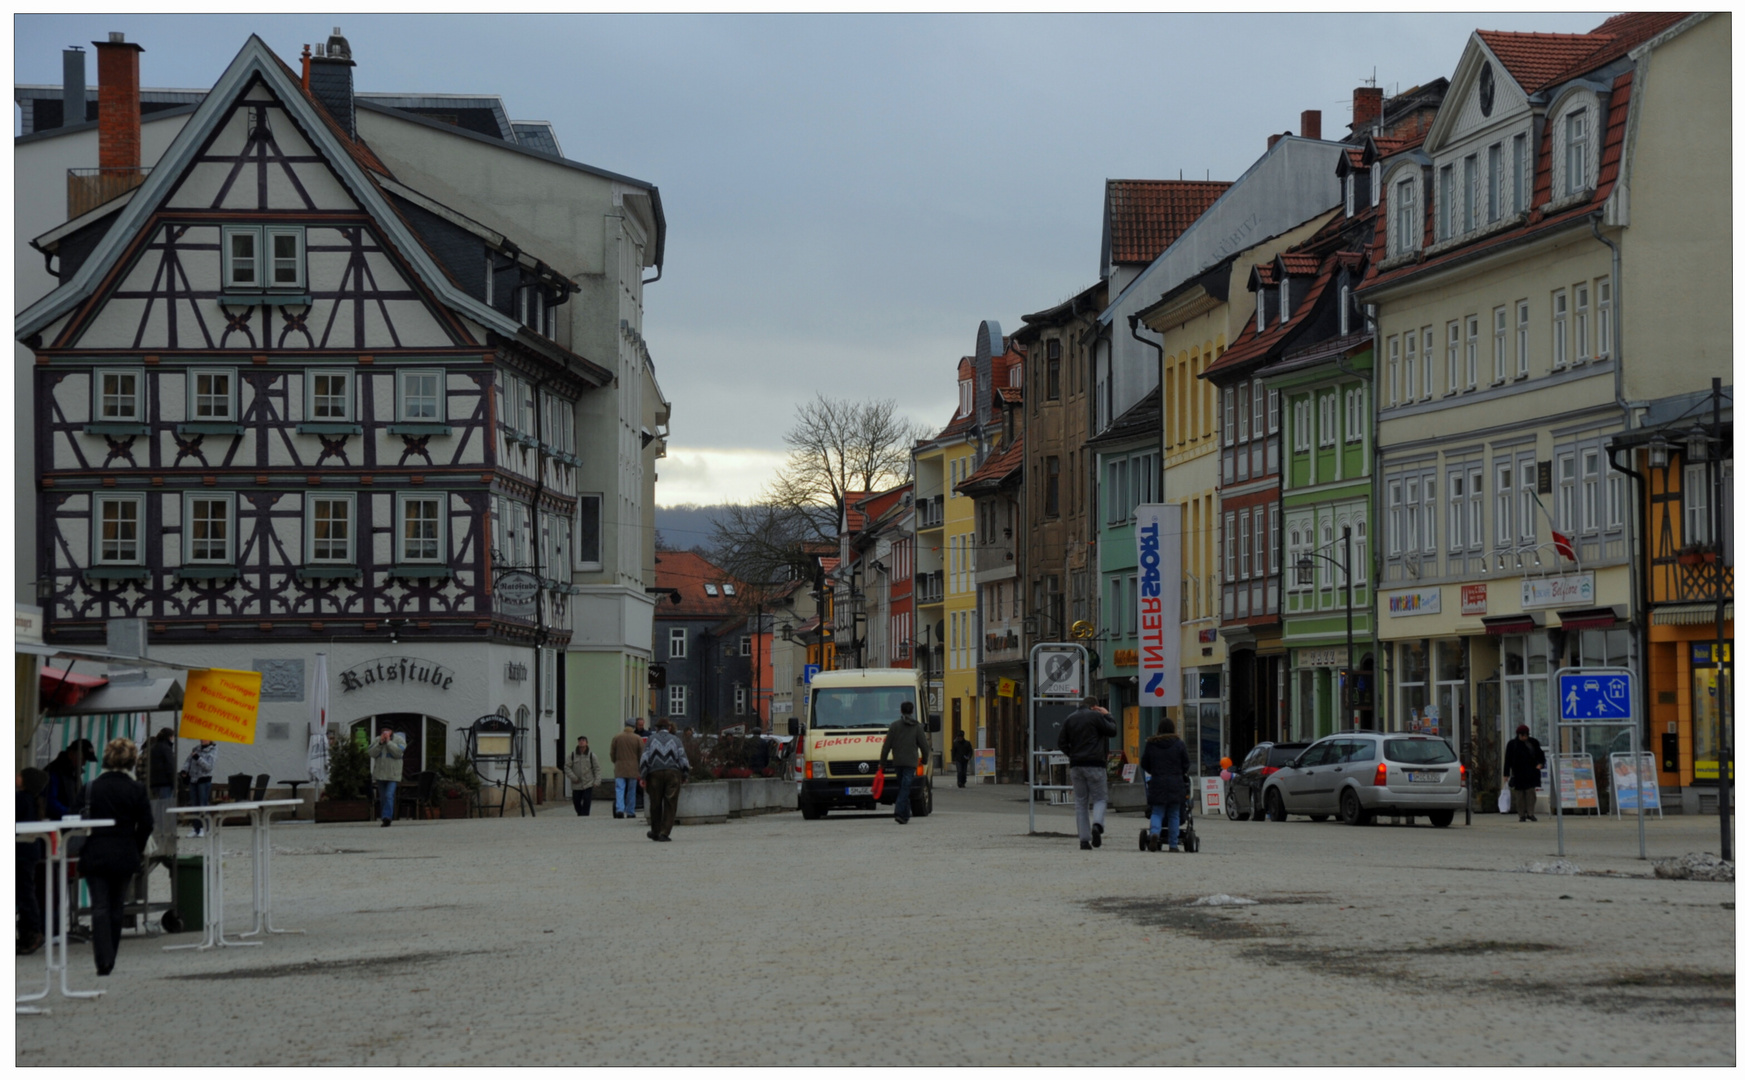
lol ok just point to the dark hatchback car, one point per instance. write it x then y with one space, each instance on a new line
1242 799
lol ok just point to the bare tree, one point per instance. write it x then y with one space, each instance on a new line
836 448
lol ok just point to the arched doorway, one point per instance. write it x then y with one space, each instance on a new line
426 737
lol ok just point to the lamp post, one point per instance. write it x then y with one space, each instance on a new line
1306 576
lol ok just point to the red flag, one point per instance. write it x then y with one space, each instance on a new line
1563 545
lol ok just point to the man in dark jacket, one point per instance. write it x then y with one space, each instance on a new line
31 784
66 781
1084 739
111 856
1521 764
906 747
1164 761
962 753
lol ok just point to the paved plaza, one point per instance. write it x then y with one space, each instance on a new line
954 940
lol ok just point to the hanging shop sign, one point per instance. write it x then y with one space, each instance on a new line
1126 657
1006 687
1568 590
1415 602
221 705
1158 527
518 595
396 671
1474 599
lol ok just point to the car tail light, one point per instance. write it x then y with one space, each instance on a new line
1381 774
1463 776
1268 770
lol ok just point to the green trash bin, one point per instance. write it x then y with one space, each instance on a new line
191 891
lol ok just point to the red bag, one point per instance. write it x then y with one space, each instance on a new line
879 783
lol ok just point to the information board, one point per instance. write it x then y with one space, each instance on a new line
1575 782
1211 795
985 763
1625 788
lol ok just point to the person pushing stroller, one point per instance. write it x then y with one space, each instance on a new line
1164 761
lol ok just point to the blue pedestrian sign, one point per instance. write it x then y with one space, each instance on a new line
811 670
1596 695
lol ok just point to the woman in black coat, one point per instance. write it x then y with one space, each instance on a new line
112 855
1165 763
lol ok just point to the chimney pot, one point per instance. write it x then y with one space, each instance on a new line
1365 108
1311 126
116 37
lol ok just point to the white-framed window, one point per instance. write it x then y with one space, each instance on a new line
242 257
1260 309
741 695
1411 351
1328 572
1412 514
1405 217
1329 419
330 394
1518 173
1350 194
284 252
418 528
1272 412
1429 515
588 530
1582 353
1301 422
1526 480
965 397
1695 495
419 396
1471 352
1505 500
1493 182
1457 506
1229 416
1566 493
1522 353
1243 551
1475 499
1354 415
332 525
1453 357
212 395
119 522
1396 518
1603 318
745 645
1257 406
1394 370
1617 499
1360 553
1559 330
1469 192
1269 540
1499 344
1592 511
1284 299
1344 309
677 643
1575 151
678 700
120 396
209 528
1230 547
1242 410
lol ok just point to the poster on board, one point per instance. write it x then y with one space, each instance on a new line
221 705
1627 794
1575 782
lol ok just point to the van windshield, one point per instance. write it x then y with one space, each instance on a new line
1419 751
859 706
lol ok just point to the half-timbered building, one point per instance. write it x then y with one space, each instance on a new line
286 404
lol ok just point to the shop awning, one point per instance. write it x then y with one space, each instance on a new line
150 695
1687 615
1599 618
64 689
1510 624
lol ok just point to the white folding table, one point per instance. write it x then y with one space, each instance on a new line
56 832
212 871
261 823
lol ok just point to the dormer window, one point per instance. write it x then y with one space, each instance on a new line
965 396
1575 142
1405 216
1260 309
1350 194
1284 300
1344 309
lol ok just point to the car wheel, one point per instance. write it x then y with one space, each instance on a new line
1442 818
1230 810
921 802
1351 810
1275 805
810 810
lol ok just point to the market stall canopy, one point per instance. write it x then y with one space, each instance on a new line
75 652
62 689
150 695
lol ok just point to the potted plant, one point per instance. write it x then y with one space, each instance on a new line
346 795
456 783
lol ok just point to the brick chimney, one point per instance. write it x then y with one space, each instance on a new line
1311 127
1365 108
117 102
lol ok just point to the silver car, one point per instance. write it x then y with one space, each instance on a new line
1362 773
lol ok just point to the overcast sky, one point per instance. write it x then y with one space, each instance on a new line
847 198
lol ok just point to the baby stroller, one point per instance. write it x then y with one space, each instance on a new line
1186 836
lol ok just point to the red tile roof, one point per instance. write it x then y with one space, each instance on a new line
1146 216
1299 265
996 468
1540 60
689 572
1250 347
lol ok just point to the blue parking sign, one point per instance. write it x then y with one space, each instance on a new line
1597 695
811 670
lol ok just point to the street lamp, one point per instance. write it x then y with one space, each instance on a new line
1306 576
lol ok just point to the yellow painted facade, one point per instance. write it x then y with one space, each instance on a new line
945 619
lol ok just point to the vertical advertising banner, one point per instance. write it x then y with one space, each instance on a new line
1159 536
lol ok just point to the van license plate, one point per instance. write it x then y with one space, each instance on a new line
1424 777
859 791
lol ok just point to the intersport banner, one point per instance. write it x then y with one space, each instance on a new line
1160 603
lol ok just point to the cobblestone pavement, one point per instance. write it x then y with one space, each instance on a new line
956 939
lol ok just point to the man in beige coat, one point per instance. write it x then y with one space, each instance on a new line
387 763
583 772
626 751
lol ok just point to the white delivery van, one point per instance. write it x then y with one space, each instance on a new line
847 716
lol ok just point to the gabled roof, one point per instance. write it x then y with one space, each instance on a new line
1537 61
693 576
351 162
1143 217
999 467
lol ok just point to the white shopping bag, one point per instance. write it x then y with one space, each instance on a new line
1503 802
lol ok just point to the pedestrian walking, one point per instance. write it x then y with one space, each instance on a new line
757 752
962 752
1164 761
664 769
161 781
1084 739
906 747
202 761
387 765
626 755
1521 764
640 793
583 771
111 856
